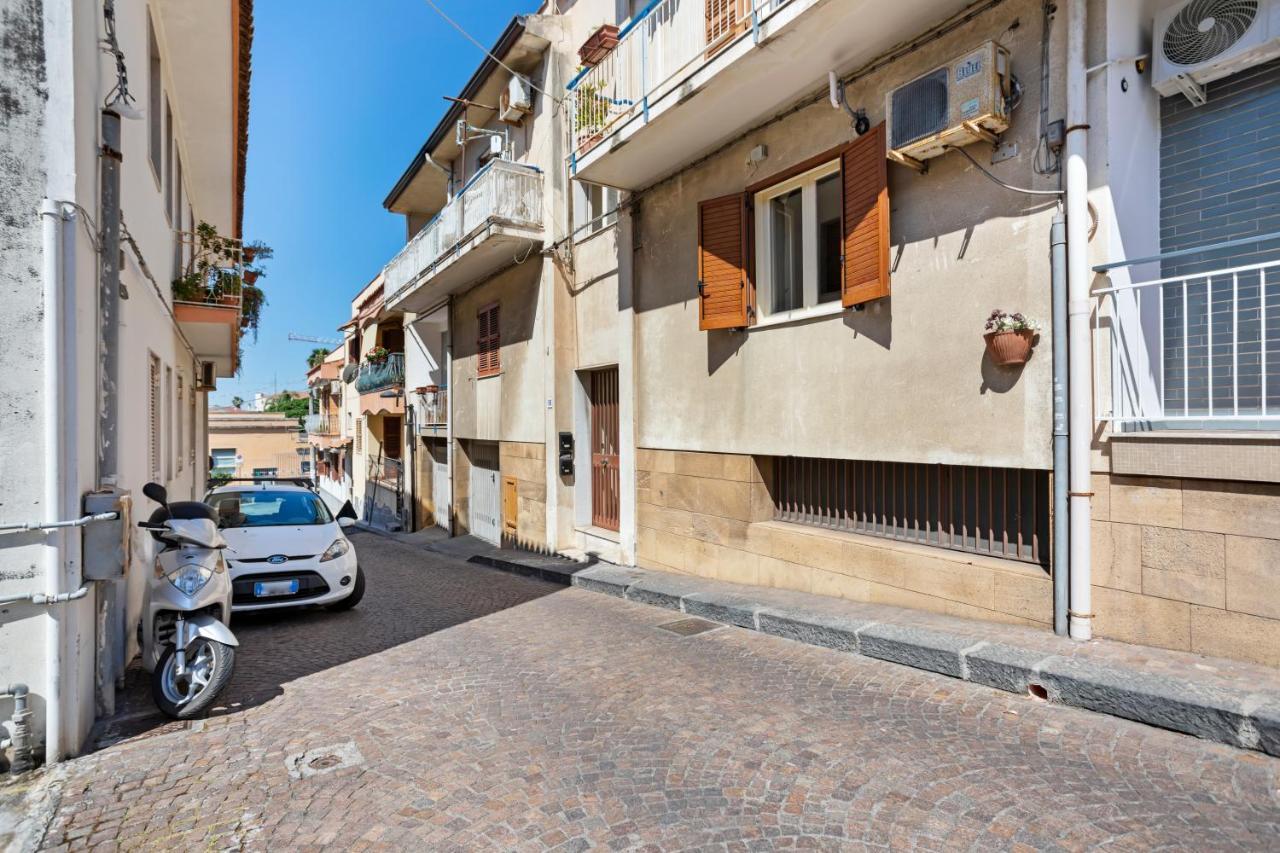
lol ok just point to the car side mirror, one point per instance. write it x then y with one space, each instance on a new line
347 511
344 521
157 493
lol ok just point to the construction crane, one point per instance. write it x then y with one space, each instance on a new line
294 336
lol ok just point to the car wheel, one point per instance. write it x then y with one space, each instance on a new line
357 593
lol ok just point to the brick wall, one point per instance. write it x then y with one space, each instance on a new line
711 514
1188 564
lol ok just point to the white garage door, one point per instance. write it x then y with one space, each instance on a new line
486 494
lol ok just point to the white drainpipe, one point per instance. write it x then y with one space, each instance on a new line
1078 303
55 308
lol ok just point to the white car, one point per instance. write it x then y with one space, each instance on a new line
285 548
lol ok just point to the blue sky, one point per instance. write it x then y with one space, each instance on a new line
343 95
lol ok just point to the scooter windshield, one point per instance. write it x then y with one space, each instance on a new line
197 531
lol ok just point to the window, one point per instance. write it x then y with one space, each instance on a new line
798 241
153 410
154 96
1002 512
179 428
595 208
488 342
168 424
168 148
222 461
359 433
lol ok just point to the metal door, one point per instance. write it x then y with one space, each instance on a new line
440 492
605 481
486 494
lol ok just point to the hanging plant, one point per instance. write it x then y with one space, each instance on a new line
214 275
1009 338
377 355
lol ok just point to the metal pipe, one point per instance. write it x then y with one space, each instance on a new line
43 599
21 740
1061 545
44 525
1080 416
109 301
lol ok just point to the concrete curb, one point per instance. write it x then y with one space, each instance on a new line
1244 717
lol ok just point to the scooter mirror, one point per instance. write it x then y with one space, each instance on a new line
156 492
347 511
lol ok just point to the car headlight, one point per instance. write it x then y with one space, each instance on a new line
336 550
189 579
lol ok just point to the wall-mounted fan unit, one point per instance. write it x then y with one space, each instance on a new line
1199 41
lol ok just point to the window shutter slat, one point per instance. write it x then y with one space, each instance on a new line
865 176
726 292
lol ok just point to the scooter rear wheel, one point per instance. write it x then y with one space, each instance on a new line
209 666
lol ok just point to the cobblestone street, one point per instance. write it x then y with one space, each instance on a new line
463 708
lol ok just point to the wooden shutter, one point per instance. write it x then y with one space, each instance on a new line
866 219
488 341
723 19
726 292
153 431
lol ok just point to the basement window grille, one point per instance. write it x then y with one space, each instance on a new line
1000 512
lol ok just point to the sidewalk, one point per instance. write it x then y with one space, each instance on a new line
1220 700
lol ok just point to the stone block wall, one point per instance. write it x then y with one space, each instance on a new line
527 463
1188 564
711 514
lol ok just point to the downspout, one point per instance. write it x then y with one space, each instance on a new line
109 308
450 527
1061 543
1080 358
52 219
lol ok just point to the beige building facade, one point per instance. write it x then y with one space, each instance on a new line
248 444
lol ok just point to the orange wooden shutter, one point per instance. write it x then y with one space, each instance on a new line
726 295
866 219
723 19
488 341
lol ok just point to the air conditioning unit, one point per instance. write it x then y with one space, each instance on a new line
1200 41
516 102
207 377
964 101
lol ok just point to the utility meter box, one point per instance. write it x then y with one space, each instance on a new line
105 554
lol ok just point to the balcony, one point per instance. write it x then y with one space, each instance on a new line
693 74
432 410
320 424
1197 350
210 316
381 386
497 216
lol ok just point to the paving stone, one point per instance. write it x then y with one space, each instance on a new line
1002 667
611 580
661 589
492 711
917 647
727 607
832 631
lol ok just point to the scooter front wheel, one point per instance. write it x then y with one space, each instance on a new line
187 695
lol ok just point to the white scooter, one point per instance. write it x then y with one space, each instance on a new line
186 644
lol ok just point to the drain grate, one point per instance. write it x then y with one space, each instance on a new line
324 759
689 627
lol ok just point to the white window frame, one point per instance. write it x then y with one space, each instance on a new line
595 208
807 182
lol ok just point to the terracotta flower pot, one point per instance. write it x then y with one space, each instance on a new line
598 45
1008 349
250 276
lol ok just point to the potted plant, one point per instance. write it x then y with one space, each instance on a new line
377 355
598 44
1009 338
591 114
214 275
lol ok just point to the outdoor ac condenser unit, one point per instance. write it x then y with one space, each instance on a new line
964 101
516 101
1199 41
207 378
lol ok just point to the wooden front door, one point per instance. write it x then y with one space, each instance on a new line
605 482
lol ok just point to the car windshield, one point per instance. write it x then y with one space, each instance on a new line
265 508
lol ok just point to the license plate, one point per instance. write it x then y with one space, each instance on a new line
266 589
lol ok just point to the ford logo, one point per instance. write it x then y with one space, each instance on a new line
277 559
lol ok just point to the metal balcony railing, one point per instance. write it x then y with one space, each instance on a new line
1191 350
501 192
654 54
386 374
433 407
320 424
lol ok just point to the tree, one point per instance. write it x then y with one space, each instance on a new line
237 401
294 407
317 357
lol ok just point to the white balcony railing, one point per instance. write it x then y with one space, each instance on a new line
502 192
653 55
319 424
1190 350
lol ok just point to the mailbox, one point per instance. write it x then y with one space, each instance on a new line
566 454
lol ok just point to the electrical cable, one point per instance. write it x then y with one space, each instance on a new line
1023 190
146 272
486 52
1046 161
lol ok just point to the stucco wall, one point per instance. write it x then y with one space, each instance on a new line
906 379
525 462
506 407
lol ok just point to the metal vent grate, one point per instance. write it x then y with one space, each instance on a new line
920 109
1204 29
688 627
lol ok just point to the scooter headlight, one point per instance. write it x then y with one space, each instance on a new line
189 579
339 547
